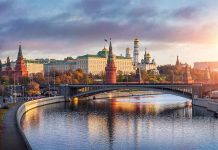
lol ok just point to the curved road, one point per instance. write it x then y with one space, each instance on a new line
11 138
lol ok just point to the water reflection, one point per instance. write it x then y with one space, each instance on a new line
122 123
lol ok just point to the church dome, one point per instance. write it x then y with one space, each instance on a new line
136 39
103 53
148 55
104 49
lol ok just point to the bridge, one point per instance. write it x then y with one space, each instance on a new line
185 90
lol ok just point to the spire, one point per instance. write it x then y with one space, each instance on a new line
145 54
20 54
110 48
177 61
110 55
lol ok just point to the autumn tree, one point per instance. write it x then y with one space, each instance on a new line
33 89
39 78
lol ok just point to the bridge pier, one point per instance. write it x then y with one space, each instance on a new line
197 91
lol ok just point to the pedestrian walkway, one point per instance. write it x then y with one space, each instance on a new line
11 139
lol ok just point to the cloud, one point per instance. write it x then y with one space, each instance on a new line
84 24
5 6
188 12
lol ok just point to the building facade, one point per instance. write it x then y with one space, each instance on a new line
59 66
96 64
34 67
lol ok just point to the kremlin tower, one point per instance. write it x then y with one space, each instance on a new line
111 77
8 70
20 68
8 66
136 52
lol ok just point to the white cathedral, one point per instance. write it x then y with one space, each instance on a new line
148 64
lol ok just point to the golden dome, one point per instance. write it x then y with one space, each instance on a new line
104 49
148 55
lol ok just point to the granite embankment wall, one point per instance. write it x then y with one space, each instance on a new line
209 104
31 105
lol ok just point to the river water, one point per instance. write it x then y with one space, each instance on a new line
139 122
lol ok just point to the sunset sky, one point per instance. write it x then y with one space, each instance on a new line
61 28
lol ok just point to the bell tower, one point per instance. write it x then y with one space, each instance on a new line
136 52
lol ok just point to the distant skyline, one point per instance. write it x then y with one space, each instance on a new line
58 29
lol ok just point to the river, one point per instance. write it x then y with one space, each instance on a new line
161 121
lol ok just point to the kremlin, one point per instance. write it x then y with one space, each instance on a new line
105 63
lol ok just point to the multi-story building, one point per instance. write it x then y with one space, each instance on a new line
60 66
34 67
96 64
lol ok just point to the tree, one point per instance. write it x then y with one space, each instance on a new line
120 76
144 76
33 89
24 80
39 78
5 80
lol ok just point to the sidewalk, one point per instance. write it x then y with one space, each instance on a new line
11 139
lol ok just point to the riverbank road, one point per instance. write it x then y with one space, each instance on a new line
10 137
